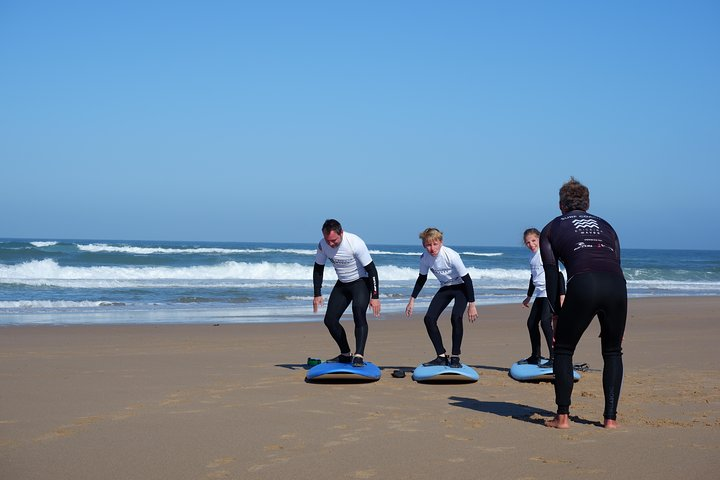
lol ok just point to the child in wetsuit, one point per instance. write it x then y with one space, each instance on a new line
540 313
455 284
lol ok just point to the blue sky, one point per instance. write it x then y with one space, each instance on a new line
255 121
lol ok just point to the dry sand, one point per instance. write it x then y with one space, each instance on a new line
230 401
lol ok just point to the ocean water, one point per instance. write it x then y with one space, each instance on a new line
86 282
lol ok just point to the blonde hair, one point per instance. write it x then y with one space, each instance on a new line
430 234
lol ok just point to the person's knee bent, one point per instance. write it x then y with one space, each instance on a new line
331 322
359 314
456 320
431 321
332 316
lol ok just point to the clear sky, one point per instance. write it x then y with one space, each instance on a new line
256 121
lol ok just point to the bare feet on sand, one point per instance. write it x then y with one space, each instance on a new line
610 423
560 421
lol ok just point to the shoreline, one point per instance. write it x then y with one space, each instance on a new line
190 401
218 314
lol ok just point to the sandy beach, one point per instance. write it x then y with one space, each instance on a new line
230 401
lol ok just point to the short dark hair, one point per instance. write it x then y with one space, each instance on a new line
574 196
332 225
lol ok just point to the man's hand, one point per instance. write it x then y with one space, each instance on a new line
409 308
472 312
317 303
375 305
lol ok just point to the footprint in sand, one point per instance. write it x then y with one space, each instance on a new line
69 430
216 466
403 425
218 474
365 474
274 461
219 462
343 440
496 449
556 461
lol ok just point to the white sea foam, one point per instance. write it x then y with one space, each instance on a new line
49 270
420 251
232 274
102 247
669 285
136 250
48 304
514 274
262 275
43 244
403 254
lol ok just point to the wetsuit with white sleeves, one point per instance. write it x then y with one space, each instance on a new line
540 313
455 284
357 283
590 250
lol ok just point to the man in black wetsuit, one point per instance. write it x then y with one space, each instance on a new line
590 250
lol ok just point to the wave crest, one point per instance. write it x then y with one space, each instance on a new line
49 272
103 247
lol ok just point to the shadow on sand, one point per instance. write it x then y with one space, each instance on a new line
294 366
524 413
515 411
490 367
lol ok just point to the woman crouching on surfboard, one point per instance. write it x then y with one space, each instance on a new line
455 284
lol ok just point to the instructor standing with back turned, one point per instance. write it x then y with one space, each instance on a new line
590 250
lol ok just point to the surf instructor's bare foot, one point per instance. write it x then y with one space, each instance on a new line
560 421
612 424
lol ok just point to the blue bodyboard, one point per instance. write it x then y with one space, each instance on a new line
438 373
524 372
329 371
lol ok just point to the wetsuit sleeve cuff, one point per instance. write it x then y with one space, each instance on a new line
469 289
551 284
419 284
318 271
531 288
374 280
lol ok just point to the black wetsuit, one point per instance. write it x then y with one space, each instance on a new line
590 250
358 293
462 294
541 317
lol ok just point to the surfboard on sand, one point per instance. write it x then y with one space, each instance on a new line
329 371
523 371
439 373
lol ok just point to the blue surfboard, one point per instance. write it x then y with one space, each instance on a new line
329 371
524 372
438 373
